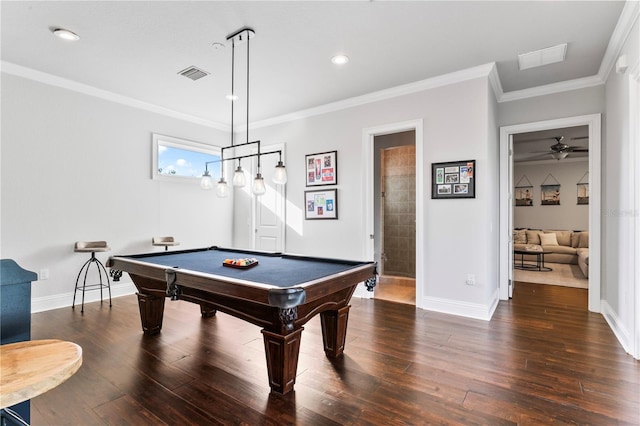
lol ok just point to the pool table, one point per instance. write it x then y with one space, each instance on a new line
280 293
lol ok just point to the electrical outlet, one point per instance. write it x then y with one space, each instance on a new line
471 279
43 275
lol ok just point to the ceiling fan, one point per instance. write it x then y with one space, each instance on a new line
561 150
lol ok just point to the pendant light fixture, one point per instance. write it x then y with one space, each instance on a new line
239 180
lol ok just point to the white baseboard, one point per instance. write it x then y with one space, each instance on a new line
56 301
463 309
621 333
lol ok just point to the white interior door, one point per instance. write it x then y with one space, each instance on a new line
269 209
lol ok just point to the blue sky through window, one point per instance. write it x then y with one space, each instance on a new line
184 162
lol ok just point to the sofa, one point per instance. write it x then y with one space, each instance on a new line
570 247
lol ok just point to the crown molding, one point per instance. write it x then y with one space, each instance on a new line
549 89
620 34
393 92
52 80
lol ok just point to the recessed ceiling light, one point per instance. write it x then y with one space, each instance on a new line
232 97
340 59
65 34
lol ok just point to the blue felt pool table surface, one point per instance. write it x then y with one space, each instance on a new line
279 270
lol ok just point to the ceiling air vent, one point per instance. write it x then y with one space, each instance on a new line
193 73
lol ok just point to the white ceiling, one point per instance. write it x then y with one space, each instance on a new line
136 49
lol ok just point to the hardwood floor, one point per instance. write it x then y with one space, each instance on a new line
542 359
396 289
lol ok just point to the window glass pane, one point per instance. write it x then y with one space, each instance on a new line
184 162
175 158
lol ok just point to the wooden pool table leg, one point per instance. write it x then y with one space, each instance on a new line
151 312
282 359
334 330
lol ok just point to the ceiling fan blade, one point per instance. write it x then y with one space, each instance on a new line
578 149
580 138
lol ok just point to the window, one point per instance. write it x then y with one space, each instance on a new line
177 159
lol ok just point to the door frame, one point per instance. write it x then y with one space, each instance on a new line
593 121
368 136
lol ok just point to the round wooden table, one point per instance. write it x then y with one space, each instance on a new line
30 368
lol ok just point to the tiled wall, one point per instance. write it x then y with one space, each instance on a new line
399 211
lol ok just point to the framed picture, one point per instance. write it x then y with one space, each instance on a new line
524 196
583 193
550 195
455 179
321 168
321 204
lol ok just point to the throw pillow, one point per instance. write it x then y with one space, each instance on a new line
548 240
584 240
533 237
519 236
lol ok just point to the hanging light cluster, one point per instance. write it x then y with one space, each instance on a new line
239 179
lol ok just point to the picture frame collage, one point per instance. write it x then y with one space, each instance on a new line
321 170
454 179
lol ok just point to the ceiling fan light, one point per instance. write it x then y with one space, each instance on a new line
559 155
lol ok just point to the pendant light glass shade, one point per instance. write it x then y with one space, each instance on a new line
258 185
206 182
239 180
280 174
222 190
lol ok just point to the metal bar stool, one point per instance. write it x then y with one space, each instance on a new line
164 241
91 247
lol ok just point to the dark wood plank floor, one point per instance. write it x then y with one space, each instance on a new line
543 359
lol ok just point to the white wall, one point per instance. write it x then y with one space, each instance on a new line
457 127
75 167
618 200
568 215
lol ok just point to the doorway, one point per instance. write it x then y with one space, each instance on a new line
372 232
551 189
395 218
593 122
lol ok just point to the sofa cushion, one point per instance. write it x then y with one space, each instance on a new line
583 242
575 239
560 249
563 237
533 237
548 239
520 236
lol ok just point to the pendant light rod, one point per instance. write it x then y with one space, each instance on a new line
247 132
233 92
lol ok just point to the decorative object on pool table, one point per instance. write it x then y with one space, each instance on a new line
240 263
550 192
454 179
322 204
280 174
321 168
